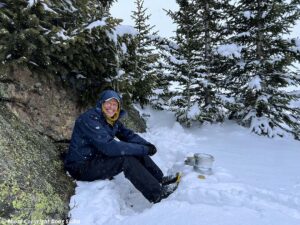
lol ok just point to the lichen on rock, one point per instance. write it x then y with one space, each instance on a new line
33 185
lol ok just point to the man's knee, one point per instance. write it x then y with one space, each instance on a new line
129 160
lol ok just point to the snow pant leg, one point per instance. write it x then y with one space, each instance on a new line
101 168
141 178
152 167
135 169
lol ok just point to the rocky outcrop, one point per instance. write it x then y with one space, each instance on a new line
133 120
33 185
46 105
40 100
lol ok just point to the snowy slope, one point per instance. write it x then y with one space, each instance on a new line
256 181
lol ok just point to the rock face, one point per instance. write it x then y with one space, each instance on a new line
33 185
40 101
133 119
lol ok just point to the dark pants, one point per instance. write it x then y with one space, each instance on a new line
142 172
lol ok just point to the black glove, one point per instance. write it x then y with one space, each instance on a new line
151 149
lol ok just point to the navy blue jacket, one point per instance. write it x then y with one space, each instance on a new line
92 136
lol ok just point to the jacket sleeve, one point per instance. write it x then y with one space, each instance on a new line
128 135
102 141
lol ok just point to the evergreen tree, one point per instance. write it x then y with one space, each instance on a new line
25 33
144 58
257 80
73 40
195 61
161 91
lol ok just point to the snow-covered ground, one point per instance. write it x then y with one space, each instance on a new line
256 181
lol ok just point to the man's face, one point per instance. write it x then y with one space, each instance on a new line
111 107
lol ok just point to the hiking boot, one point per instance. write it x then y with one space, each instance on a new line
166 190
166 180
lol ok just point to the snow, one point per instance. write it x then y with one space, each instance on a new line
62 35
31 2
120 73
194 111
244 34
119 30
80 76
226 99
177 61
297 43
248 14
255 180
97 23
263 98
255 83
46 7
124 48
230 50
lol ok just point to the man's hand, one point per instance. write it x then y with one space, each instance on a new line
151 149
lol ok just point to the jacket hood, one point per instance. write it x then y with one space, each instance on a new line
107 94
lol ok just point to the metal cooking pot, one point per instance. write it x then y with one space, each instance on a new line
201 162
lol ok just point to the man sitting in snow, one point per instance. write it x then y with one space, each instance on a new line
94 153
